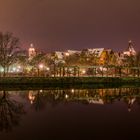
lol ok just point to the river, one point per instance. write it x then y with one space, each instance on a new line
70 114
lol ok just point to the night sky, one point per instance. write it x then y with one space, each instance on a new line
72 24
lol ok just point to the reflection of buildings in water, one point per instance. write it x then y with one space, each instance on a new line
66 96
100 101
91 96
130 102
32 95
36 99
72 91
105 96
131 96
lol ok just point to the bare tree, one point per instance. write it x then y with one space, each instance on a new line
10 112
72 60
9 48
137 60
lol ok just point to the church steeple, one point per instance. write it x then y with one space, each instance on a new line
31 51
131 48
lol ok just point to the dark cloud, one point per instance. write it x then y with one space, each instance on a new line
72 24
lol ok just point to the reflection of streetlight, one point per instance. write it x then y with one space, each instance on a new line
83 71
72 90
31 97
47 68
66 96
41 91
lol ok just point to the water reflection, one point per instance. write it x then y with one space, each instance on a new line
10 112
11 108
37 99
85 96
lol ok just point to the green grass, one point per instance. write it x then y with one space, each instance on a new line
66 80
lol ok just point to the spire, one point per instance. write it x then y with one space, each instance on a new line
131 48
130 44
31 45
31 51
130 41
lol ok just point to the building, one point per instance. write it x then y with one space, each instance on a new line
71 52
123 56
102 55
96 51
130 50
31 51
59 55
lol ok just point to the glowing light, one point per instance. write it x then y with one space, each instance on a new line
66 96
41 66
72 90
129 109
31 49
83 71
67 54
19 67
31 45
14 69
1 69
47 68
31 97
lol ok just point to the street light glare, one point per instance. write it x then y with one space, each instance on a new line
48 68
41 66
67 54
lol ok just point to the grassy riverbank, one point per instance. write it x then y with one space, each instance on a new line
8 83
67 80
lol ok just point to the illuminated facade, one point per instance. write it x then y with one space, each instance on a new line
31 51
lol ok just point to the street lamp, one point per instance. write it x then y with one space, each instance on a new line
40 67
83 72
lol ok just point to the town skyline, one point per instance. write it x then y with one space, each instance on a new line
80 49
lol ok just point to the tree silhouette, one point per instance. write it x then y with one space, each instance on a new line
10 112
23 62
9 49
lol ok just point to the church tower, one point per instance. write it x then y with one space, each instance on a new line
31 51
130 50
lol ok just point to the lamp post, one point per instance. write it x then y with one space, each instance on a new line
40 67
48 71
